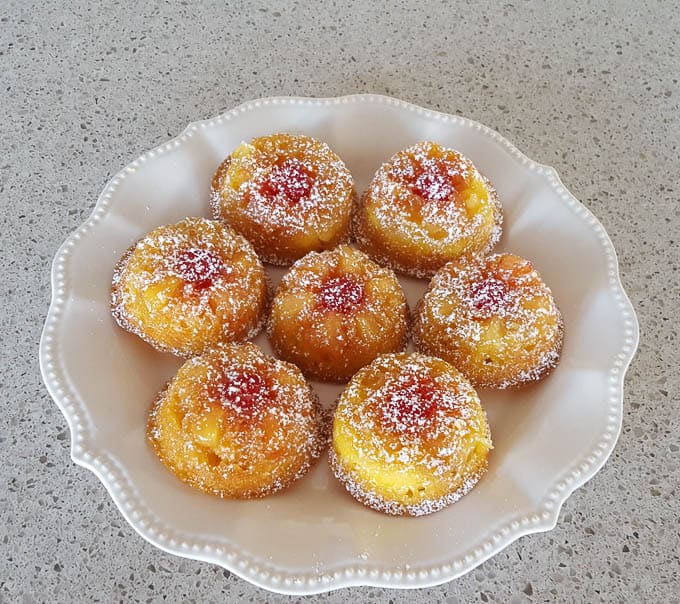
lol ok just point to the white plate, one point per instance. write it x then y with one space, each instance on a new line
549 438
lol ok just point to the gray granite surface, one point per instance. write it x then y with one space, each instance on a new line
590 88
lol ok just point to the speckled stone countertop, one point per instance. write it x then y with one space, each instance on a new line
591 89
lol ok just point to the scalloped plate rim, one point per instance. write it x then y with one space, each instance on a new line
352 574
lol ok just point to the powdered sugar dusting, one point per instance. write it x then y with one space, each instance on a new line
245 392
490 296
378 502
248 425
335 311
434 184
411 416
411 403
417 213
198 266
289 181
292 193
499 304
342 294
187 286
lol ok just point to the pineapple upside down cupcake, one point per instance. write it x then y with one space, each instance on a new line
185 287
335 311
427 205
409 435
237 423
493 318
288 195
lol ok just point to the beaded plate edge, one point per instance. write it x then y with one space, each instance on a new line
228 555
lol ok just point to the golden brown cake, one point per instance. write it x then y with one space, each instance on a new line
287 194
237 423
409 435
185 287
335 311
493 318
427 205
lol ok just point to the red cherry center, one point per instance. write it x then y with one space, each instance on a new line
410 404
434 185
489 295
341 294
198 267
290 180
244 391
